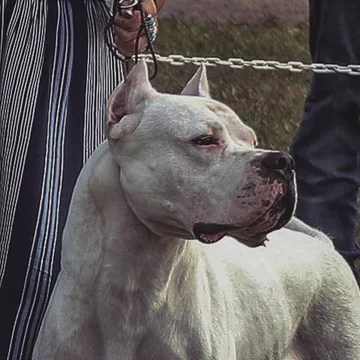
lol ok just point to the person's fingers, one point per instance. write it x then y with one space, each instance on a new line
126 30
131 24
150 7
128 48
124 35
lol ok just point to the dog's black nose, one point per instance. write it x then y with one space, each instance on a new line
278 160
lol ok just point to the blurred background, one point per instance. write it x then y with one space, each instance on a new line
271 101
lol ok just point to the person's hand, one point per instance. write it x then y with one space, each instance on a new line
126 30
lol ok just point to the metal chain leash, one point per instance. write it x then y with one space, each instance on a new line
238 63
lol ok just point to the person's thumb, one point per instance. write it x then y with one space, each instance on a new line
150 7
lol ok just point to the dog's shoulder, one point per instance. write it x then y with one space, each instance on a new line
297 225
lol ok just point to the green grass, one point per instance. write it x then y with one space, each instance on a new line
269 101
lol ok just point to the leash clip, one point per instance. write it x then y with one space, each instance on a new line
126 8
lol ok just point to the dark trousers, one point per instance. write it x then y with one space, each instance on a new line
326 147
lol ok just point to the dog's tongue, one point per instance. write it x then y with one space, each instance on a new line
212 238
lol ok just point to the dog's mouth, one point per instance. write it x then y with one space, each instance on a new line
211 233
255 233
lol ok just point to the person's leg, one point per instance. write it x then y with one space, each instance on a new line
327 145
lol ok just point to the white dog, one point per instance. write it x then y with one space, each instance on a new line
136 284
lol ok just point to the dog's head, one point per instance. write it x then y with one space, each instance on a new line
190 167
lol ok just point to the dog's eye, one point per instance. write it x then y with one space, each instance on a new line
205 140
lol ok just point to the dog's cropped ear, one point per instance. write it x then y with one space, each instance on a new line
198 85
128 101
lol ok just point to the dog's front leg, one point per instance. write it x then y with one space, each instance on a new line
69 329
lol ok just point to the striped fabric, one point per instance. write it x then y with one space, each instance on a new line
55 78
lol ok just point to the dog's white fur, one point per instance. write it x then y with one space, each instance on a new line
131 287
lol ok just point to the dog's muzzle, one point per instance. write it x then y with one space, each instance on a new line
278 170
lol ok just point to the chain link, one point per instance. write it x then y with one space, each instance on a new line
238 63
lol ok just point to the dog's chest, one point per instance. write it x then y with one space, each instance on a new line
170 331
180 341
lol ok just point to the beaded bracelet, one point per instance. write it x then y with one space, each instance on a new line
152 27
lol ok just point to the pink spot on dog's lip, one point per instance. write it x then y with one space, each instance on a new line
210 233
212 238
277 188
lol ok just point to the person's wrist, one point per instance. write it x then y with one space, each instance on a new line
159 4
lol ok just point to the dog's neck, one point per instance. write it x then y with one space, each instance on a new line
105 243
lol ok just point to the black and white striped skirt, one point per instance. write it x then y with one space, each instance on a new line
55 78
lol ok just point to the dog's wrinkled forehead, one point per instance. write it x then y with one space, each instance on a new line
193 114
